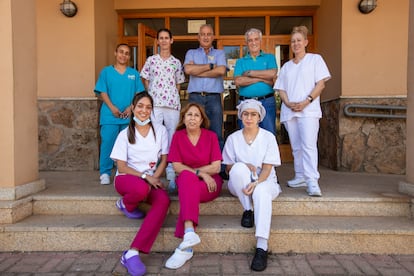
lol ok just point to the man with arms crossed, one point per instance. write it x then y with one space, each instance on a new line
206 67
254 75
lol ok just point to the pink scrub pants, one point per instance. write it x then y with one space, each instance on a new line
135 190
191 192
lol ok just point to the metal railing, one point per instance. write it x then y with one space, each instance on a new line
389 111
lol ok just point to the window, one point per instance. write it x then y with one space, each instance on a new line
131 25
179 26
280 25
239 25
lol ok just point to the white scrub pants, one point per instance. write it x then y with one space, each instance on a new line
303 136
262 197
169 117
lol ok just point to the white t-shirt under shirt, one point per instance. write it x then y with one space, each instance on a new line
298 80
263 150
144 155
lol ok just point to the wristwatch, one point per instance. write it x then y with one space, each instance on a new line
211 66
144 176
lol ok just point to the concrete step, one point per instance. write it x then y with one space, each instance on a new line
284 205
358 213
344 194
301 234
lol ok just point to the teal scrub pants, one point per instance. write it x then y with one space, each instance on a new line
109 133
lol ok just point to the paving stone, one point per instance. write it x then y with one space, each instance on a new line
365 266
348 264
408 266
303 267
107 263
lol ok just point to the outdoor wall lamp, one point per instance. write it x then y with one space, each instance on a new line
367 6
68 8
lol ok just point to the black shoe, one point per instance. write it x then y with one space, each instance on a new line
247 219
224 175
259 262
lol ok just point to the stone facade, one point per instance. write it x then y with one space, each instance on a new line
68 134
69 137
362 144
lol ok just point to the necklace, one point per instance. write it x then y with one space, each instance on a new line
249 139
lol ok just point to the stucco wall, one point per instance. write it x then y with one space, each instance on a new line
6 103
66 50
18 124
24 91
374 49
106 34
329 45
410 99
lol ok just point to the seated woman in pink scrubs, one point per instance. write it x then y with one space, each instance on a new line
196 158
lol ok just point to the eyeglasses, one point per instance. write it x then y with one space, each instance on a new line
251 114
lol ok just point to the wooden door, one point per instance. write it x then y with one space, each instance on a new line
147 44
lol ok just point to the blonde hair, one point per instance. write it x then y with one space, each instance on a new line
301 30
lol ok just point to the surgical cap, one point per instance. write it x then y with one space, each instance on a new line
251 104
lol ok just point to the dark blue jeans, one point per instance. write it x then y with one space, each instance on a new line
214 110
269 121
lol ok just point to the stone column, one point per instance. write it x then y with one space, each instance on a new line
19 176
408 186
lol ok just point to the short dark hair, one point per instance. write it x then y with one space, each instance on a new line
164 30
122 44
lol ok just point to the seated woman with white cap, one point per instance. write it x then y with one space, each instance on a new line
250 155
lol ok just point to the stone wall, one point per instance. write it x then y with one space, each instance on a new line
362 144
68 134
328 141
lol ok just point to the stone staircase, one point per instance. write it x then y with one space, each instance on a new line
359 213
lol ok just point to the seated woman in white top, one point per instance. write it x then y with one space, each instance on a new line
251 155
140 153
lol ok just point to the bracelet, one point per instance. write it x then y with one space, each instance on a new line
198 172
310 98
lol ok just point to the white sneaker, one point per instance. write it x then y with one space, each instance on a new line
190 239
178 259
105 179
297 182
313 188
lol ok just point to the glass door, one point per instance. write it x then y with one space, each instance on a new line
233 49
281 49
